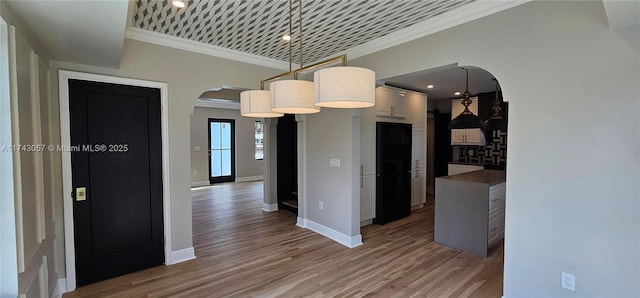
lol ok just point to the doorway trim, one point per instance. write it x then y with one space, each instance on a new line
65 140
232 123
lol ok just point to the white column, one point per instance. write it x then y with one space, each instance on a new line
302 162
270 163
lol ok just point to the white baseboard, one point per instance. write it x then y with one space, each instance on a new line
179 256
416 207
249 178
346 240
269 207
60 288
200 183
301 222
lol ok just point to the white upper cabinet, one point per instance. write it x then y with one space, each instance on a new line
471 136
390 102
416 107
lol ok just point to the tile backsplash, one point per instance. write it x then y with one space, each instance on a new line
494 152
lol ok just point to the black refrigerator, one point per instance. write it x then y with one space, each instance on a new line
393 171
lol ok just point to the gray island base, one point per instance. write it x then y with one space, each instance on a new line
469 210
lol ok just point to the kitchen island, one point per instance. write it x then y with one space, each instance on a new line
469 210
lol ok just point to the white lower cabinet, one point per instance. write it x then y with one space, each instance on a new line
418 168
367 173
418 188
367 197
495 229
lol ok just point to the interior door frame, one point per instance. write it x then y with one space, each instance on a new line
232 122
65 140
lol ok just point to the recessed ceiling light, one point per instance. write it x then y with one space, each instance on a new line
286 37
178 3
429 86
457 93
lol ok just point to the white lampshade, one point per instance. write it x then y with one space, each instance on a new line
345 87
256 103
292 97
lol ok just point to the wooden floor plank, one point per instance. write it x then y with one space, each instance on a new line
243 251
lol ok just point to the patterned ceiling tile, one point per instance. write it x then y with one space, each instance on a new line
256 26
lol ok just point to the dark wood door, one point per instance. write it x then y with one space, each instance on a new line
117 158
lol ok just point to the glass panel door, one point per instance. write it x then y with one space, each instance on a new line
221 150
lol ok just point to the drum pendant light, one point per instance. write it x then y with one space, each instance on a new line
466 119
345 87
335 87
293 96
256 104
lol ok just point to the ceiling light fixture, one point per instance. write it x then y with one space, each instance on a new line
335 87
179 3
293 96
429 86
496 122
456 93
256 103
466 119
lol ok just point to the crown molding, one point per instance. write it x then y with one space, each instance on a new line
202 48
217 104
449 19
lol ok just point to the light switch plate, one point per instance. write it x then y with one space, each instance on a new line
81 194
334 162
196 149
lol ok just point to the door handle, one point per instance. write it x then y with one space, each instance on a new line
81 194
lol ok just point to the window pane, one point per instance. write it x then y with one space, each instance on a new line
215 135
226 162
259 140
216 163
225 135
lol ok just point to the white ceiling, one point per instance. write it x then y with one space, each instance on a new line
445 80
88 32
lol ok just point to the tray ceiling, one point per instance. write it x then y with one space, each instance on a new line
256 27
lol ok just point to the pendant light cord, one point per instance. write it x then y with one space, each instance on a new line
300 22
290 32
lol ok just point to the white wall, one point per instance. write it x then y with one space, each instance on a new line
573 195
246 164
332 134
34 180
8 257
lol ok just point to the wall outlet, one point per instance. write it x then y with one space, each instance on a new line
334 162
569 281
196 149
321 205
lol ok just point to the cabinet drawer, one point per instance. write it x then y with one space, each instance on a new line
497 196
493 230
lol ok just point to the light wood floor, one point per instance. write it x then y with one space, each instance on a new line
245 252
